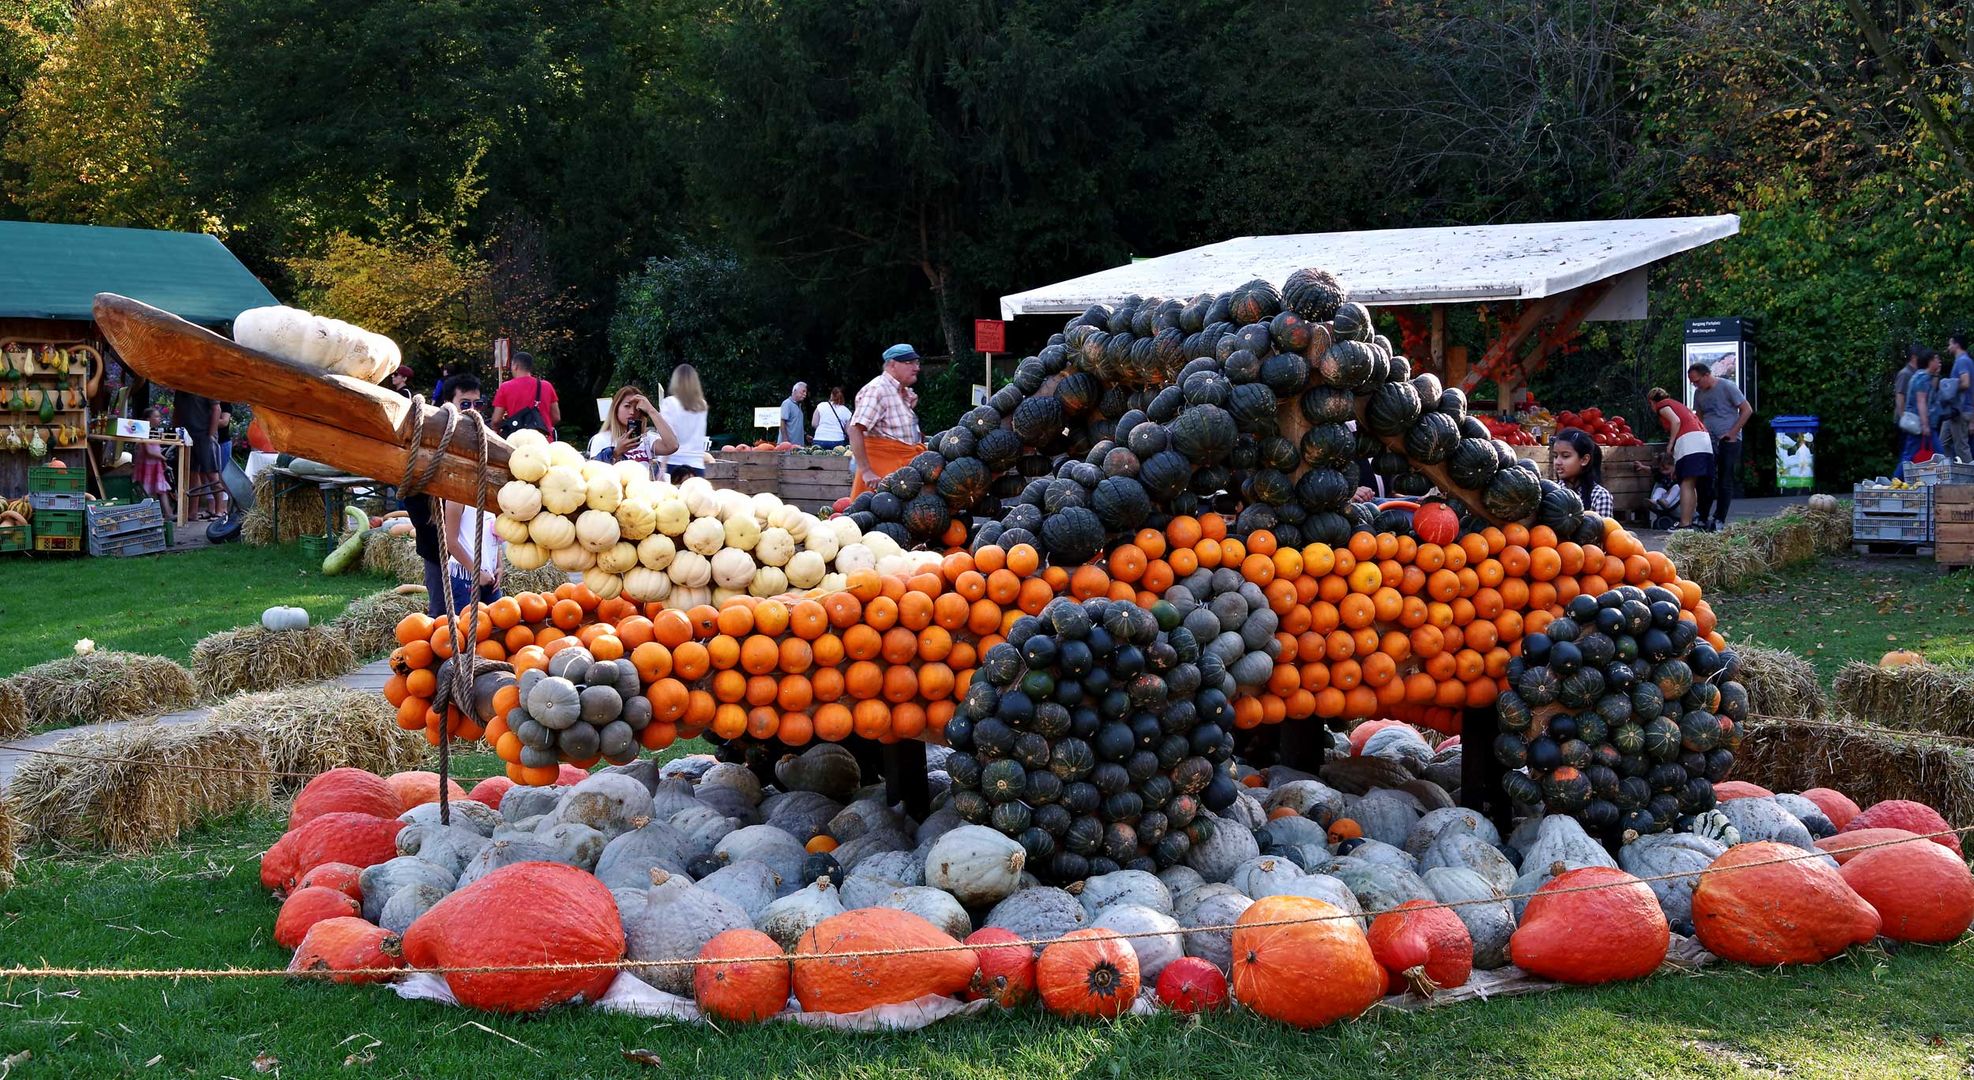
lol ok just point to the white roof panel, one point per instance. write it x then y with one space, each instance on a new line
1459 264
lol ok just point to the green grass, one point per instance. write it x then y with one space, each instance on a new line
160 604
1836 610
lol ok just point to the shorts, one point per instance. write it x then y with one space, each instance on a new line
1693 466
462 592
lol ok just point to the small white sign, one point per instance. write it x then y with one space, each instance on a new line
979 394
767 416
133 429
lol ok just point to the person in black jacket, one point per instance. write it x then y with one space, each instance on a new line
425 523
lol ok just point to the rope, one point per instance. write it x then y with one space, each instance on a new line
919 950
1865 727
188 766
465 666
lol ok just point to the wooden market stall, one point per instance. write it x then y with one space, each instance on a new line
56 371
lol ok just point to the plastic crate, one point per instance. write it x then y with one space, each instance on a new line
16 538
137 529
1901 530
1891 501
49 478
57 500
1940 471
67 545
59 523
148 542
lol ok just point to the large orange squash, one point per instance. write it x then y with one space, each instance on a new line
1846 846
1728 790
1310 972
1613 932
353 790
828 982
491 790
1835 805
417 788
750 980
277 864
1911 816
1423 945
527 913
348 944
1922 892
340 837
306 907
1088 972
1795 912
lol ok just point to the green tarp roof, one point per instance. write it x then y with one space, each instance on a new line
55 271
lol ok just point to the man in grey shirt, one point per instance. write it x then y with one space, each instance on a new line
1957 392
1724 409
792 430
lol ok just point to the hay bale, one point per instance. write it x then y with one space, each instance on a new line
1779 683
10 831
301 512
252 658
97 688
1717 560
15 717
393 557
370 622
153 783
545 578
1831 528
1866 762
309 730
1912 697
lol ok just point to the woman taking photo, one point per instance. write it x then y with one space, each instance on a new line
633 431
1578 463
832 421
684 411
1692 450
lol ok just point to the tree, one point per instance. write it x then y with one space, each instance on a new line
430 298
89 139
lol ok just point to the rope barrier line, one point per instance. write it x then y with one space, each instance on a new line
920 950
235 770
1866 727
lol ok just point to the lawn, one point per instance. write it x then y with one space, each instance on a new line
1836 610
161 604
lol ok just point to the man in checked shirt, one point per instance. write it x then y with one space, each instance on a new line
884 433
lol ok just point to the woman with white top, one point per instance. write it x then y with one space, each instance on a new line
684 410
832 421
633 431
461 522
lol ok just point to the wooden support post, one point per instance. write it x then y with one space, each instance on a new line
1437 343
905 777
1480 771
1565 326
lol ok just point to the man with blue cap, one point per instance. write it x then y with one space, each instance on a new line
884 433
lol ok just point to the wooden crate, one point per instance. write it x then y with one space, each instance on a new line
813 481
1953 504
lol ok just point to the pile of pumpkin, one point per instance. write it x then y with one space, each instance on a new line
1307 905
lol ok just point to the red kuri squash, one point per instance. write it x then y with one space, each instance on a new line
490 791
567 917
1911 816
341 877
1423 945
1798 911
1846 846
1922 892
358 840
1310 972
1191 984
749 983
827 982
416 788
1729 790
1007 968
352 790
1088 972
1592 935
306 907
348 944
1835 805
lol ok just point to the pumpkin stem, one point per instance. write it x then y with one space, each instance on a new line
659 877
1421 983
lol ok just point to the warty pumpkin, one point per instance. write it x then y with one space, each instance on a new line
342 877
572 920
1308 973
1911 816
1608 933
749 980
1846 846
1423 946
1799 911
346 944
825 981
357 839
1921 892
1087 972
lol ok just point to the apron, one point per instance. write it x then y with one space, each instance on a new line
886 457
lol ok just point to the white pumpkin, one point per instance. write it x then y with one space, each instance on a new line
699 497
800 525
768 581
775 547
284 618
511 530
687 596
691 569
596 530
574 558
805 570
604 584
1823 502
529 461
846 530
604 492
562 455
742 532
563 490
526 555
894 565
855 557
656 551
631 472
645 488
722 594
732 568
978 865
552 531
706 535
880 545
617 558
672 514
821 542
765 504
645 585
778 517
635 521
519 500
275 330
834 582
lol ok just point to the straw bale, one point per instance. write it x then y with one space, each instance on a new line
144 795
370 622
96 688
301 512
545 578
252 658
9 845
1779 683
1866 762
15 717
1717 560
1831 528
393 557
1911 697
311 729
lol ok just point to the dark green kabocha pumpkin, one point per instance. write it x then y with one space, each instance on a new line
1348 364
1353 321
1329 446
1257 301
1286 373
1431 438
1072 536
1472 464
1328 405
1313 294
999 449
1039 421
964 483
1121 503
1203 433
1254 408
906 483
1324 491
1512 494
1560 508
1290 332
1393 408
1165 474
927 515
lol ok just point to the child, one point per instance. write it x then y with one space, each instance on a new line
149 471
1579 465
1664 500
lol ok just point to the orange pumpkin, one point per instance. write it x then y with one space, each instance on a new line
346 944
1308 973
353 790
1915 817
307 906
491 790
1921 891
572 919
357 839
1436 523
1423 946
419 787
1900 658
1599 935
1849 845
1795 912
826 982
1087 972
1007 968
342 877
1835 805
750 980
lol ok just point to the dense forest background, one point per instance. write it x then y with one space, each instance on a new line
765 188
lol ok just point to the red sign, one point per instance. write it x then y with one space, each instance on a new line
990 336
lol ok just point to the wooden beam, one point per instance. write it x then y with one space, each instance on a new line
1566 324
1437 346
1505 346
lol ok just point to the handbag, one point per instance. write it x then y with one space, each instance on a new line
529 417
1909 423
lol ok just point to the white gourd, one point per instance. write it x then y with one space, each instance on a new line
618 558
528 437
511 530
775 547
722 594
563 456
846 530
733 569
645 585
596 530
699 499
893 566
524 555
635 520
686 597
284 618
855 557
821 542
768 581
574 558
528 462
563 490
631 472
978 865
730 503
834 582
690 569
706 536
788 918
742 532
604 585
932 905
799 525
604 491
881 545
519 500
644 487
552 531
672 514
805 570
656 551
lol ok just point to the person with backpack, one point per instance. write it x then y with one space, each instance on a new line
526 401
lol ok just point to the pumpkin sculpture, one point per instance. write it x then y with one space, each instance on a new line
1766 903
1576 932
1088 972
572 920
1310 969
1423 945
826 980
750 980
1921 891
